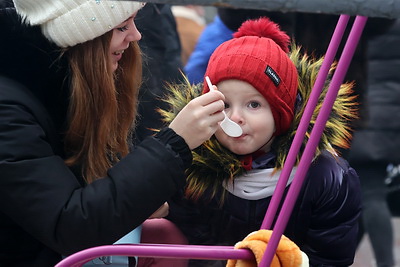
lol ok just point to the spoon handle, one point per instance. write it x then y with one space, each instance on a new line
210 86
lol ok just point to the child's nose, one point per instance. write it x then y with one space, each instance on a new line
236 115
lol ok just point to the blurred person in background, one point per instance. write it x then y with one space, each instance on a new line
376 142
190 23
162 64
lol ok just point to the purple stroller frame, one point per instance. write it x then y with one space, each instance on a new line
228 252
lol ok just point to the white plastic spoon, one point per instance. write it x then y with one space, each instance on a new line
230 127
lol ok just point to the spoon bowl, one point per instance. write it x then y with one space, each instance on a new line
230 127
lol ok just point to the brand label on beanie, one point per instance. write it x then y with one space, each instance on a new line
273 75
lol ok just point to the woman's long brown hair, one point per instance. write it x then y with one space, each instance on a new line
102 107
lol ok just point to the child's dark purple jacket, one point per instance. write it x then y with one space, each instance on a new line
324 222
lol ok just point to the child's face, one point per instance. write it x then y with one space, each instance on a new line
247 107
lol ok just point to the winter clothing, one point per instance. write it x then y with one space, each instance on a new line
314 31
62 22
373 145
46 209
161 64
376 143
287 252
324 220
326 234
381 104
190 25
268 69
212 36
221 29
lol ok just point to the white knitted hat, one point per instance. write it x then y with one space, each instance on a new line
70 22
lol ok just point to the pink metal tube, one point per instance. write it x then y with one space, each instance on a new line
305 121
316 133
156 251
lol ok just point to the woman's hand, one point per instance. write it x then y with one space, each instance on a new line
199 119
161 212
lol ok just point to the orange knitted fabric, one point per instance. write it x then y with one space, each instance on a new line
287 253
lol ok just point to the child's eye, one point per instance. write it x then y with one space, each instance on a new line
254 104
122 29
226 105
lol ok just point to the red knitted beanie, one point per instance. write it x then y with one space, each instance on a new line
258 55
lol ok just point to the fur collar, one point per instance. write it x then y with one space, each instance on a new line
214 164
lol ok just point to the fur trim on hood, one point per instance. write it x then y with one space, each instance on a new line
213 164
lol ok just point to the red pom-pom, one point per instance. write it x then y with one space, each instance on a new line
263 27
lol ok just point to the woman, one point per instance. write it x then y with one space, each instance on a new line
70 72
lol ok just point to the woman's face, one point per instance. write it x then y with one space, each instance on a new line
122 36
247 107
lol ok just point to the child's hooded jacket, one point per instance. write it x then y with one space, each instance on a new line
324 222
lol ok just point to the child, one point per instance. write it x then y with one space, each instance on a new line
231 181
